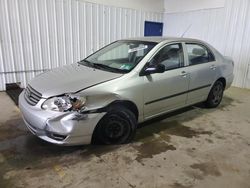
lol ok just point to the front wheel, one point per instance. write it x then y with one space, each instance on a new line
118 126
215 95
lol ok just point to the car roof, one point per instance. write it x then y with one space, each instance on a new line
163 39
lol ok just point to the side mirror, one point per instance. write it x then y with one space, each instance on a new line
152 69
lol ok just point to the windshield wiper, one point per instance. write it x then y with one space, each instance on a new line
112 69
90 64
101 66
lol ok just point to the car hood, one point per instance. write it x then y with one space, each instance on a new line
69 79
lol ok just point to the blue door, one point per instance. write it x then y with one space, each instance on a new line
153 28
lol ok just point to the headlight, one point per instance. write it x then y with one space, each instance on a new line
65 103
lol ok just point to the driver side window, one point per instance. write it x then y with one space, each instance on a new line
171 56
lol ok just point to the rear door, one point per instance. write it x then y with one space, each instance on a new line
166 91
202 71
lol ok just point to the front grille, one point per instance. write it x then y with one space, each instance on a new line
32 96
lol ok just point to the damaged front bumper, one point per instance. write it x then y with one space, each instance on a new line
63 128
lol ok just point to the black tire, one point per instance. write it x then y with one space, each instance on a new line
118 126
215 95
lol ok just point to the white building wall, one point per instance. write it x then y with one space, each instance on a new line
37 35
172 6
148 5
227 29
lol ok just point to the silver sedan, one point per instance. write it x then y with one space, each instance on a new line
104 96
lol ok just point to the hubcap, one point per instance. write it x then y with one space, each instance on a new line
115 128
217 94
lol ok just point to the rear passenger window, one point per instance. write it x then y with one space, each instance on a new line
198 54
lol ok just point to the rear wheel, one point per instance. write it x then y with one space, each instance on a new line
118 126
215 95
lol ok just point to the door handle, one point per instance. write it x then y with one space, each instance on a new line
184 74
213 67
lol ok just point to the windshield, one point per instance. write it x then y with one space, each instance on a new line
120 56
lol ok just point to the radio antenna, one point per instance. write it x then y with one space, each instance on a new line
186 30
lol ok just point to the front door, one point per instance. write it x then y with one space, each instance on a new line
166 91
